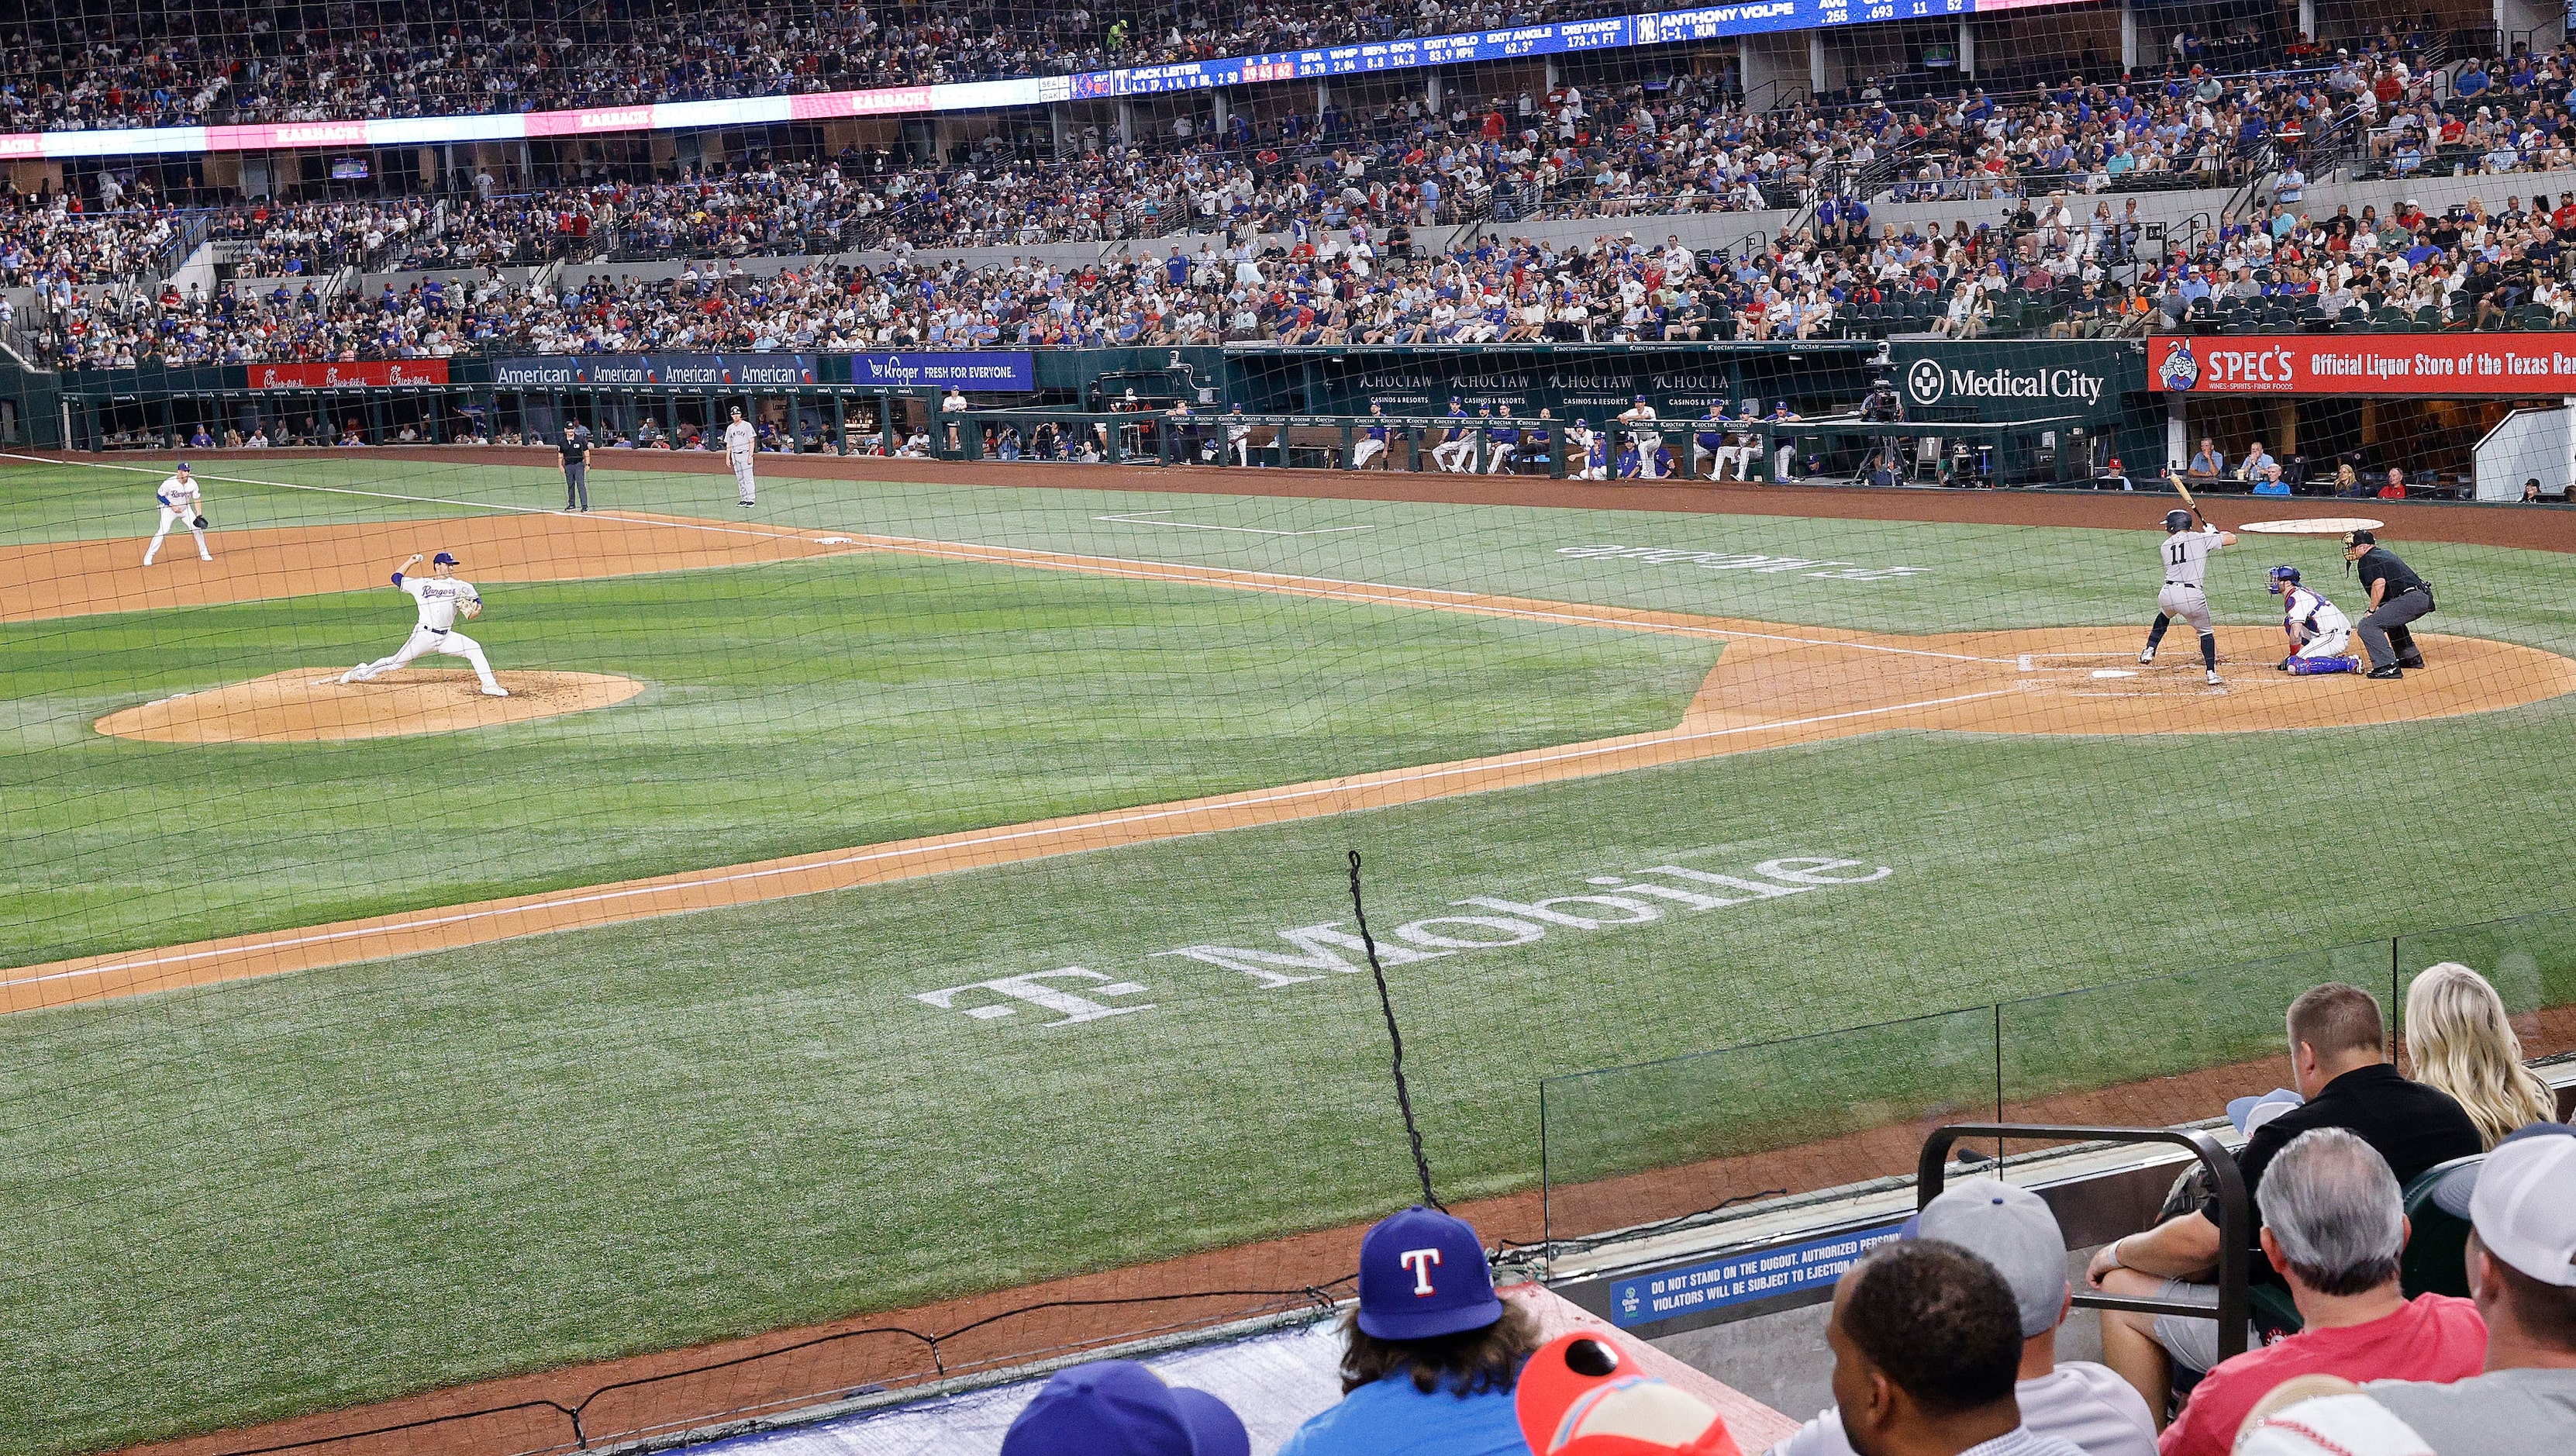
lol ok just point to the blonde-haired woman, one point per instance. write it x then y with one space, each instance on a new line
2459 1041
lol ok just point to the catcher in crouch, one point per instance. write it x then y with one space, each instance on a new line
2317 629
444 598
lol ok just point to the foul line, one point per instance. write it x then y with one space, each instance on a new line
1177 572
1114 566
1088 824
1137 518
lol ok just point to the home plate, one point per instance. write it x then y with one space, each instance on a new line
2114 672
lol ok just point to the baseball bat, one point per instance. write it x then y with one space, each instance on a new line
2185 492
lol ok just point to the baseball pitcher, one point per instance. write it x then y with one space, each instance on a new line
443 599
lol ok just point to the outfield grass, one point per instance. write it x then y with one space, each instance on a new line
267 1196
272 1196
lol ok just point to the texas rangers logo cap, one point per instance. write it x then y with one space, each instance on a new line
442 559
1423 1274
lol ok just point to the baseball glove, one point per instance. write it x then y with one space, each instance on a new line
200 522
470 610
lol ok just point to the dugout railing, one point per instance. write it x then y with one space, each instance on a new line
2053 451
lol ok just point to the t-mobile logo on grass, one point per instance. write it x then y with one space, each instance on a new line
1639 898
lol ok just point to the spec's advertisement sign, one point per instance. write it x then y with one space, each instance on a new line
2430 365
1743 1277
1001 370
679 371
373 374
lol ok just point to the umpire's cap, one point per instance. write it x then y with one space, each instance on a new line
2177 520
2359 538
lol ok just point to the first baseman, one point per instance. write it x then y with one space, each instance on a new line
2186 561
443 597
182 499
2317 629
739 439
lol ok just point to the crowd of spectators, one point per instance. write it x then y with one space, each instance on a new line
90 65
1944 1342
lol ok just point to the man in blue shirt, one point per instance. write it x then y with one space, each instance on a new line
1431 1356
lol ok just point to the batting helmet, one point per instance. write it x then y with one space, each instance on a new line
2283 578
2177 520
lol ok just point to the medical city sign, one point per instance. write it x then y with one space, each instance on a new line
2422 365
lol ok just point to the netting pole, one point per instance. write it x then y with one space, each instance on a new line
1395 1040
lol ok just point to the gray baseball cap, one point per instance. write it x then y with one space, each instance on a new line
2012 1229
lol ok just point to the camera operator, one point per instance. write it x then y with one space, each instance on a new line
1883 406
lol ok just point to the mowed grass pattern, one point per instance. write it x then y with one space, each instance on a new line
240 1202
792 707
346 1184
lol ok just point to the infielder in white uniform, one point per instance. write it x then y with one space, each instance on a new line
443 598
2186 561
182 499
739 441
2317 629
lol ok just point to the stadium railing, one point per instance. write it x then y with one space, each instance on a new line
1657 1148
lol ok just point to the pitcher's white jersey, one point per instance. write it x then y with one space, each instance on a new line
2310 617
439 597
738 438
2187 556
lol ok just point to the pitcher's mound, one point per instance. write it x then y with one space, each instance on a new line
312 705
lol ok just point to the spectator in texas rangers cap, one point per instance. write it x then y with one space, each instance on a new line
2080 1402
1120 1408
1430 1356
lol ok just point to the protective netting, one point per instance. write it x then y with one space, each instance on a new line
925 906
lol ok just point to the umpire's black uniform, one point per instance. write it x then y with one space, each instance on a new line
576 464
2404 598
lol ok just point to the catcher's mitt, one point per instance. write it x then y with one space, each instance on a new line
200 522
470 610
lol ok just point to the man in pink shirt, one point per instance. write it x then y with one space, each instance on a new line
2334 1226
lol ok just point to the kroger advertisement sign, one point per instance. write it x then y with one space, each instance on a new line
680 371
998 370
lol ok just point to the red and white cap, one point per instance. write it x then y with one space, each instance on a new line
1580 1396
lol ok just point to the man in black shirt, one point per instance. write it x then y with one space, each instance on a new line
576 464
2397 596
2339 1062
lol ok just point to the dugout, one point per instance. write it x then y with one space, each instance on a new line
2460 416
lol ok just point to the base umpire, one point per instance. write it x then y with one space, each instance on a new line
576 467
2397 596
